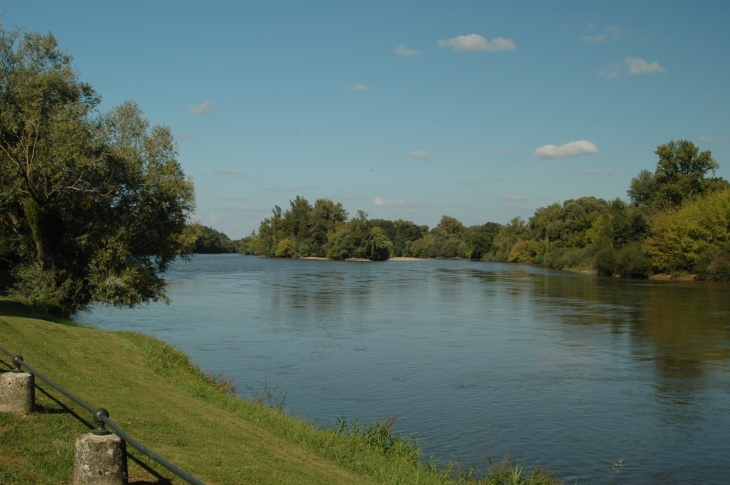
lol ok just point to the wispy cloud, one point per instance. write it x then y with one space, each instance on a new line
640 66
610 73
210 218
243 208
596 171
380 202
513 197
595 38
613 31
359 87
404 50
464 182
572 149
237 199
419 155
183 136
347 197
291 189
475 42
711 138
506 153
203 109
228 171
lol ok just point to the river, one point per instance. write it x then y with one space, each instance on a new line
478 360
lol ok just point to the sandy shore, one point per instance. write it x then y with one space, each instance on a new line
403 258
315 258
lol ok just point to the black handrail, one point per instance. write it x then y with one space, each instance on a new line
101 418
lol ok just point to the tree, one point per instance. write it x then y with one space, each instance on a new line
358 238
449 226
479 239
298 220
681 174
325 218
92 207
210 241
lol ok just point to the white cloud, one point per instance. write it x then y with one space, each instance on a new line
640 66
610 170
404 50
475 42
514 197
592 171
359 87
229 171
380 202
183 136
203 109
594 38
572 149
710 138
420 155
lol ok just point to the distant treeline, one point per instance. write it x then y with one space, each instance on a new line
211 241
677 222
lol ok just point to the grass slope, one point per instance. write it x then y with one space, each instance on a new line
164 401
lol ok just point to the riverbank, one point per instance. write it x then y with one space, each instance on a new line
213 435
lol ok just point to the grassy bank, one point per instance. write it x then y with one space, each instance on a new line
168 404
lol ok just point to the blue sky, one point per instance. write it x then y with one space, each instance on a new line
479 110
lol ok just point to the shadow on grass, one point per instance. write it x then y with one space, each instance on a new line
160 479
12 308
63 409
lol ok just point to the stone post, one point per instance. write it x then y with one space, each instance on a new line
100 460
17 392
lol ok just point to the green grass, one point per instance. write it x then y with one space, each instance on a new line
164 401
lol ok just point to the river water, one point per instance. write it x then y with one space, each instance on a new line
478 360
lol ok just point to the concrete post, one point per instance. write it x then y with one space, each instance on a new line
17 392
100 460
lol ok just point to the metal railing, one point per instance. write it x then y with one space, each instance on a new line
101 419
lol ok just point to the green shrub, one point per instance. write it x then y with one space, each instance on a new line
714 264
632 261
605 261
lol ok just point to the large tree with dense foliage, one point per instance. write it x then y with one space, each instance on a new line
681 173
695 238
92 207
210 241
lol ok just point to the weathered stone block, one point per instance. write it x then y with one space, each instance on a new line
17 392
100 460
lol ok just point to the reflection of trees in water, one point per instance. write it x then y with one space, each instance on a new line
683 329
307 298
349 295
